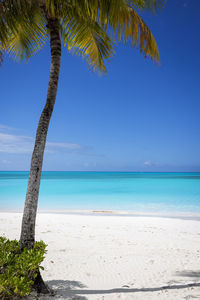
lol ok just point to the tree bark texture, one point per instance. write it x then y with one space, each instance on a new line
27 238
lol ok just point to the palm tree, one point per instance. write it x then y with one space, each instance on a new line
86 27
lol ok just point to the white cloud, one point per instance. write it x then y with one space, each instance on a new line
10 143
6 128
5 161
19 144
148 163
68 146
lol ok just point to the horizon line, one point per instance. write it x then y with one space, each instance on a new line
104 171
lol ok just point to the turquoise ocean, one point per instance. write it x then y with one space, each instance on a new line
123 191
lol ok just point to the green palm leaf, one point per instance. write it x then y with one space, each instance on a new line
28 38
89 40
88 27
142 37
149 5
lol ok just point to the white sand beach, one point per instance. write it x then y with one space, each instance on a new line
116 257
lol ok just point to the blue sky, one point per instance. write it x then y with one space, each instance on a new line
139 117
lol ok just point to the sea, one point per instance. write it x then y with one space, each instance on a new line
105 191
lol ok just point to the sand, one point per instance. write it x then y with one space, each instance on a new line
116 257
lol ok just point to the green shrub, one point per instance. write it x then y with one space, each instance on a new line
18 270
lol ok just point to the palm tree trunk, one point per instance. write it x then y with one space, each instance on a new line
27 238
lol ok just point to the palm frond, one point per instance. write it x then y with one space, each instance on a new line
123 22
3 24
22 27
89 40
88 27
28 38
142 37
154 5
148 5
119 20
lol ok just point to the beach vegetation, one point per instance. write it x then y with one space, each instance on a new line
18 270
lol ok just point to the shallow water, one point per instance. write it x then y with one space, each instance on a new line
141 192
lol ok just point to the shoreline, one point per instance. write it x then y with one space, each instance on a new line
116 213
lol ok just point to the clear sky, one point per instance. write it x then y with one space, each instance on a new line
139 117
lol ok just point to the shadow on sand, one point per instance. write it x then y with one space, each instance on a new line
76 290
189 273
